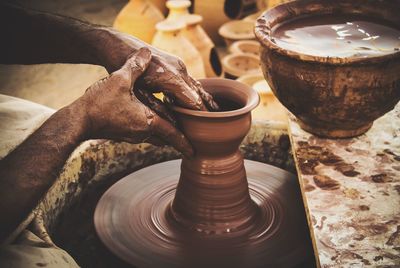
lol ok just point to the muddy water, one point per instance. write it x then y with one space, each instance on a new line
338 36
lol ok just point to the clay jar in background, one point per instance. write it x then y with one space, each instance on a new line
160 4
331 96
199 38
177 8
169 38
139 18
215 178
217 12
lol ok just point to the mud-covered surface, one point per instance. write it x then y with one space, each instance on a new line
66 213
351 188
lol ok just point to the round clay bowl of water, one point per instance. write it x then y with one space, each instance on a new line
334 64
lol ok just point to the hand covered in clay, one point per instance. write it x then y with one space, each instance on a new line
115 109
166 73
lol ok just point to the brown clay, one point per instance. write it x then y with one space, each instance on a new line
217 215
331 96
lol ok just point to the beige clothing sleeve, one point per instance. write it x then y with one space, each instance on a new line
18 119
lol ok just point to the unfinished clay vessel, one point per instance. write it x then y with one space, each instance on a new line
331 96
212 210
217 170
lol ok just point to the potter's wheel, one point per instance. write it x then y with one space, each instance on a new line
133 220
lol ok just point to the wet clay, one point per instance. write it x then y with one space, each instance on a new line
338 36
212 210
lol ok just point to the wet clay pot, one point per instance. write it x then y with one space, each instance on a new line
210 210
331 97
138 18
214 180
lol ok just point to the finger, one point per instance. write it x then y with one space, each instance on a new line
167 132
155 104
136 64
207 98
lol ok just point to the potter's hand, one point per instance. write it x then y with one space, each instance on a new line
166 73
115 112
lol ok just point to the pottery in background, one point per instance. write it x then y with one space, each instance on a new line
138 18
331 97
269 107
237 30
177 8
273 3
236 65
169 38
161 5
237 9
199 38
253 17
245 46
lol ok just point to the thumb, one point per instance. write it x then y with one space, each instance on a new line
136 64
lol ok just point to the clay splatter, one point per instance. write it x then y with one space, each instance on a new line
308 155
326 183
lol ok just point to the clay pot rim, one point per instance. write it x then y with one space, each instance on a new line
252 102
225 31
265 23
237 71
170 25
192 19
235 47
181 4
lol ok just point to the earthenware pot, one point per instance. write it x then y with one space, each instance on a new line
236 65
215 178
245 46
236 30
178 8
199 38
331 97
237 9
138 18
169 38
273 3
161 5
253 17
269 107
213 15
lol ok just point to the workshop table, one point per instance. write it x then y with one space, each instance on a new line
351 193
